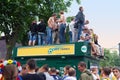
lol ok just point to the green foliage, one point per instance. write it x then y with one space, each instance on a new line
69 19
78 1
67 29
17 15
67 34
111 59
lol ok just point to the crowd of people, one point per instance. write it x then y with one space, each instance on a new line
12 70
55 32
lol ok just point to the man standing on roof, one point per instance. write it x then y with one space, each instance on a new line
51 25
32 34
79 21
62 22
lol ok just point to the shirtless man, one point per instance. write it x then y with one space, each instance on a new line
51 26
62 22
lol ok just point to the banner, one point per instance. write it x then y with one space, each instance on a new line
67 49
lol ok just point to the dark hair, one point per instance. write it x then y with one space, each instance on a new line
37 69
54 14
61 12
106 71
71 72
53 69
46 67
24 67
42 20
116 68
32 64
67 67
1 60
57 72
87 21
82 64
80 8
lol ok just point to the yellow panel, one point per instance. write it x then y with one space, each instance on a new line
46 50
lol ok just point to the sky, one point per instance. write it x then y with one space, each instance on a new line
104 17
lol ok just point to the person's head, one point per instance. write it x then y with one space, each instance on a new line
53 71
81 8
81 66
71 72
94 69
10 72
85 29
61 12
106 71
34 22
66 68
57 72
1 60
54 15
91 30
31 64
86 22
116 71
44 68
72 18
42 20
24 70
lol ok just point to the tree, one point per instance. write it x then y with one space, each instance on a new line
117 61
111 59
17 15
14 19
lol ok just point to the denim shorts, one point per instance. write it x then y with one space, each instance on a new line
32 36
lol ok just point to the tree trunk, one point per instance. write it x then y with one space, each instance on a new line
11 42
11 46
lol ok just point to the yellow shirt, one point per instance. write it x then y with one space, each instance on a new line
106 79
114 78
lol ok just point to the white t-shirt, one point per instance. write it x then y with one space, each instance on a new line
71 26
70 78
94 76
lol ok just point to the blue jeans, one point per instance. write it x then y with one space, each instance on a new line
75 38
62 33
80 27
49 35
41 38
70 36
